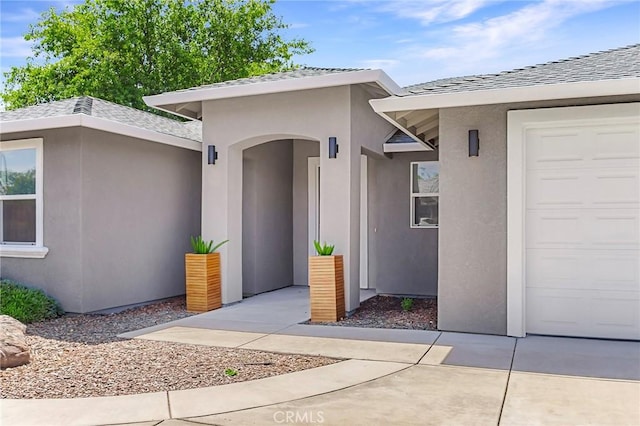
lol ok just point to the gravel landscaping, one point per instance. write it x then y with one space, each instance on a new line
386 312
80 356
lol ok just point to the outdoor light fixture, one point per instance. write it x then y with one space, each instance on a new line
333 147
474 143
212 154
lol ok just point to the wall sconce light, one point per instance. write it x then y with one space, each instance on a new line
474 143
212 154
333 147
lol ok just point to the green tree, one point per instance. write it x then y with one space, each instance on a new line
121 50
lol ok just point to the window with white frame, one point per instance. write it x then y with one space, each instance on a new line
21 198
425 193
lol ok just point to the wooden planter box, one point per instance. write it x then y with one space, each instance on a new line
203 282
326 287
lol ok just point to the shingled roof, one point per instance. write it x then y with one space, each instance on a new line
611 64
100 108
285 75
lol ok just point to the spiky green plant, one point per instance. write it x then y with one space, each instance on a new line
323 249
407 304
201 246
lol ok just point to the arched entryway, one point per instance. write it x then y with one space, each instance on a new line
275 215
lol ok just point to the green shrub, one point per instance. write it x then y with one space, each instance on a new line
201 246
27 304
407 304
323 249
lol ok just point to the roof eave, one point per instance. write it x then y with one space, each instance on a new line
164 101
623 86
97 123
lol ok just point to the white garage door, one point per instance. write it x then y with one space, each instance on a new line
582 233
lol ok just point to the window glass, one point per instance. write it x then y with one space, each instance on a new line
425 177
425 192
425 211
18 221
18 172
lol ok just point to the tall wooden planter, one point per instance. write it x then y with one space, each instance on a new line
326 282
203 282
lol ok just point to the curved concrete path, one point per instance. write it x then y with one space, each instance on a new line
443 378
406 377
194 402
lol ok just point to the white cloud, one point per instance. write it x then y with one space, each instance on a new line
518 29
435 11
15 47
385 64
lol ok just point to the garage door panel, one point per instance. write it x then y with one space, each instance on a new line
615 229
615 315
554 312
578 269
583 313
616 188
583 188
582 228
594 229
623 143
554 148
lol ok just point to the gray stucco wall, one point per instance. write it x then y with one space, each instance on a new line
302 150
473 215
267 216
406 259
118 213
60 272
140 205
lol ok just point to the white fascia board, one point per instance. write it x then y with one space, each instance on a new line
624 86
83 120
404 147
276 86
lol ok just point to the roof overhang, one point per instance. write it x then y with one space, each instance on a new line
187 103
83 120
417 115
623 86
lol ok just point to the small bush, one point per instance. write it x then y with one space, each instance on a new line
27 304
407 304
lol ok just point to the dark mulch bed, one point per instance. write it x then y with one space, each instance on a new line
387 312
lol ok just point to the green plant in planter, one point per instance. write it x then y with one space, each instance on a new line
407 304
201 246
323 249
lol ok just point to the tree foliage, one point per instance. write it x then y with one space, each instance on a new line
121 50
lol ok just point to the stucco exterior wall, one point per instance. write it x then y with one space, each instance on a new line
267 205
473 208
118 213
406 259
60 272
302 150
140 205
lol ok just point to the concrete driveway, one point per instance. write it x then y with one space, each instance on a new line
387 377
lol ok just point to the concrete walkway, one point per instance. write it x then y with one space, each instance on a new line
400 377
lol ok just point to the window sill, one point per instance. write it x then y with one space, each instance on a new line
424 226
28 252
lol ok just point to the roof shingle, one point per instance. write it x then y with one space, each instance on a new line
100 108
611 64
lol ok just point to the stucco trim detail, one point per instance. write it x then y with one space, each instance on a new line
518 123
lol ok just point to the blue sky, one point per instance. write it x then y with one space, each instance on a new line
417 41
